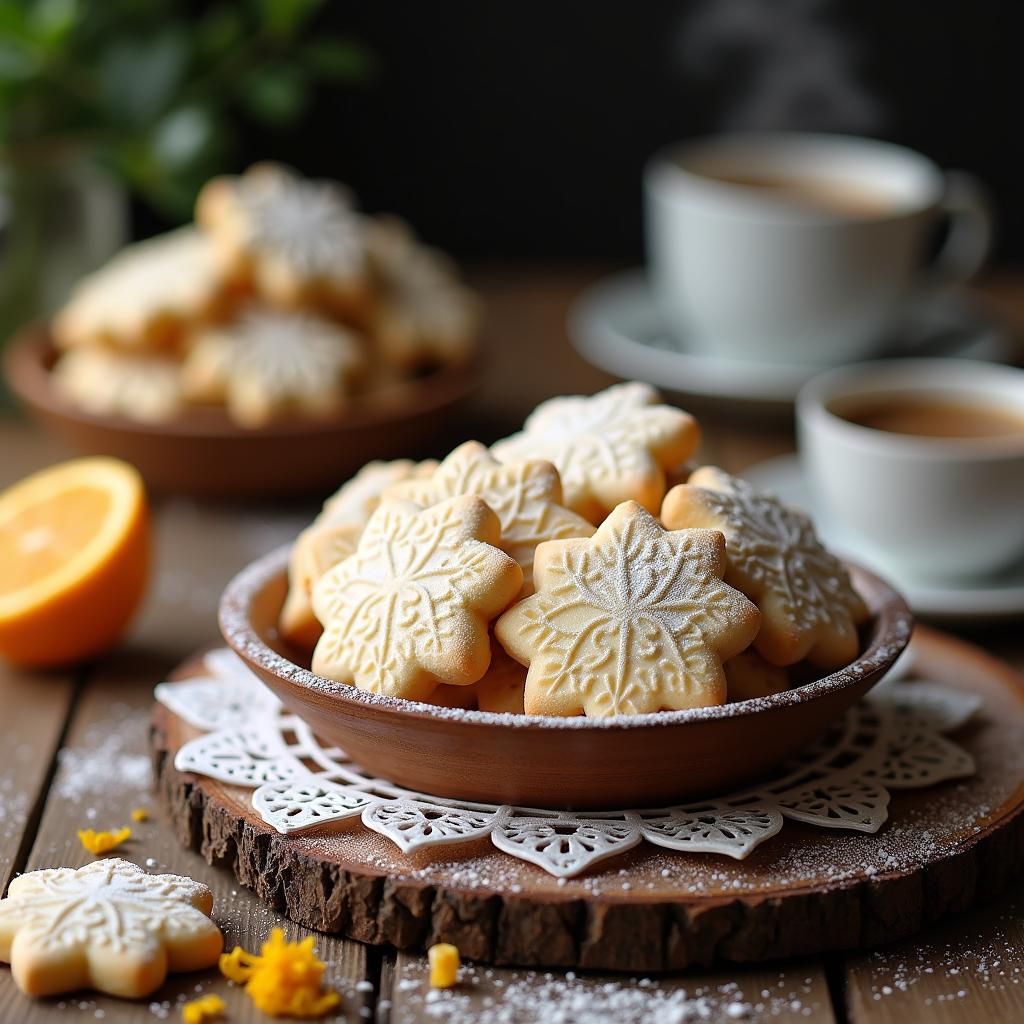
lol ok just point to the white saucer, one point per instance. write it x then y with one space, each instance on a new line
615 326
986 600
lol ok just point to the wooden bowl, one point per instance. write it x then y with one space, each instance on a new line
203 452
642 761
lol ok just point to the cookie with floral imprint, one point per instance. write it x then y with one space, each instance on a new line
297 241
149 297
608 448
422 316
271 363
332 536
808 603
139 386
109 926
526 495
635 619
410 609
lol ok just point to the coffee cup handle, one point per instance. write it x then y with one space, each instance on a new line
968 211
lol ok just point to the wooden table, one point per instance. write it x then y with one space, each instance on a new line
73 755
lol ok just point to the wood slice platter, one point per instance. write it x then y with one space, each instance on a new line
944 849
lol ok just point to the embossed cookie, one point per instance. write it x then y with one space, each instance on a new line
299 241
272 362
147 296
410 608
423 315
526 496
108 383
808 605
109 926
632 620
750 676
355 501
610 447
319 548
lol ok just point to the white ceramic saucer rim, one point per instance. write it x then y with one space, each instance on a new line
593 327
784 476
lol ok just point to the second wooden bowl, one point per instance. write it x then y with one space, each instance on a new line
203 452
642 761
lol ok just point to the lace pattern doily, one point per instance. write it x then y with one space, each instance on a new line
894 739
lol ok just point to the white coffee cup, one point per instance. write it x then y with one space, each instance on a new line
936 508
812 272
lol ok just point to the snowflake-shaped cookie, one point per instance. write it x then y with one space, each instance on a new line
503 687
808 605
610 447
355 501
316 550
272 362
631 620
410 608
299 239
109 926
146 295
105 382
424 314
525 495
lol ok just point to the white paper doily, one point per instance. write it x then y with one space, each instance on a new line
894 739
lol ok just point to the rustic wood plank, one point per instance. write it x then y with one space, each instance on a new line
103 773
968 971
35 708
486 995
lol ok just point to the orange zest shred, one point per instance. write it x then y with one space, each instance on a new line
103 842
203 1010
444 965
285 980
141 814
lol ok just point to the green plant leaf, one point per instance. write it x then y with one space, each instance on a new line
53 20
275 94
181 137
139 77
339 59
286 17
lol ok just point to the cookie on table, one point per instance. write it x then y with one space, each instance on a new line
316 550
608 448
410 609
808 605
749 676
632 620
147 297
140 387
297 241
273 362
526 496
423 316
109 926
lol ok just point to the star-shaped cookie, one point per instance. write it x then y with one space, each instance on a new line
316 550
808 605
610 447
272 362
632 620
109 926
410 608
299 240
526 496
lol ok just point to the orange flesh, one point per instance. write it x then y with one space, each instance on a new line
40 539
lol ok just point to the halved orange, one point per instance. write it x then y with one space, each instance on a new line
74 559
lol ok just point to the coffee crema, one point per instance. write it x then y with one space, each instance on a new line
932 417
845 198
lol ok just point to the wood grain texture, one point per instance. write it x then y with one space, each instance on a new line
806 891
796 992
103 774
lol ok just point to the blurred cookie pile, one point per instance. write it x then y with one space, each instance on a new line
281 300
560 573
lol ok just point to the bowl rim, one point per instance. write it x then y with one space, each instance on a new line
25 365
893 626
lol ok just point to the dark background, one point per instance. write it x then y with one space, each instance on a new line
519 130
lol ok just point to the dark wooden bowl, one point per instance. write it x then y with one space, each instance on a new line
203 452
642 761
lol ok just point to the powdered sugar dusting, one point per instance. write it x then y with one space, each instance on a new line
106 752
